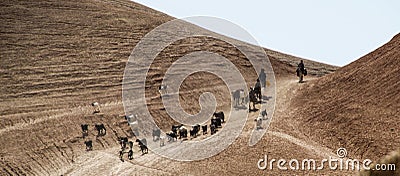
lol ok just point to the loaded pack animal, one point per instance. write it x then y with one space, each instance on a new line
204 129
143 145
85 128
89 145
156 134
194 131
220 115
101 129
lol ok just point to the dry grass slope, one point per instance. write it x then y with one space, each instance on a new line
57 57
358 106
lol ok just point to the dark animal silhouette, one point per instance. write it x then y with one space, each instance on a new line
121 154
143 145
89 145
220 115
213 129
194 131
101 129
85 129
182 132
253 99
130 154
204 129
264 114
175 128
130 144
257 90
216 122
171 136
123 141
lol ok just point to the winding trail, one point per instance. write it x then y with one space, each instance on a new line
155 164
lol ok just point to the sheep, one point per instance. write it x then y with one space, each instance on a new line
96 107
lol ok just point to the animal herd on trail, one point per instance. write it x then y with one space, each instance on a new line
101 131
180 131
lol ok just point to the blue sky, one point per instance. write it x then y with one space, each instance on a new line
334 32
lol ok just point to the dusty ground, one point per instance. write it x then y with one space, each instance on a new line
57 57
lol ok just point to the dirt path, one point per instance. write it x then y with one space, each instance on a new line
108 160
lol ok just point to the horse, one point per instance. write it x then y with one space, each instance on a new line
253 99
101 130
89 145
301 73
257 92
84 128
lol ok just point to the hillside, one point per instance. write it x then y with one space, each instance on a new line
57 57
361 105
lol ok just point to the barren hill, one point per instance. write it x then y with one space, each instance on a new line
57 57
358 106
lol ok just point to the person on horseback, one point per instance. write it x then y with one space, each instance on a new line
301 71
253 99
